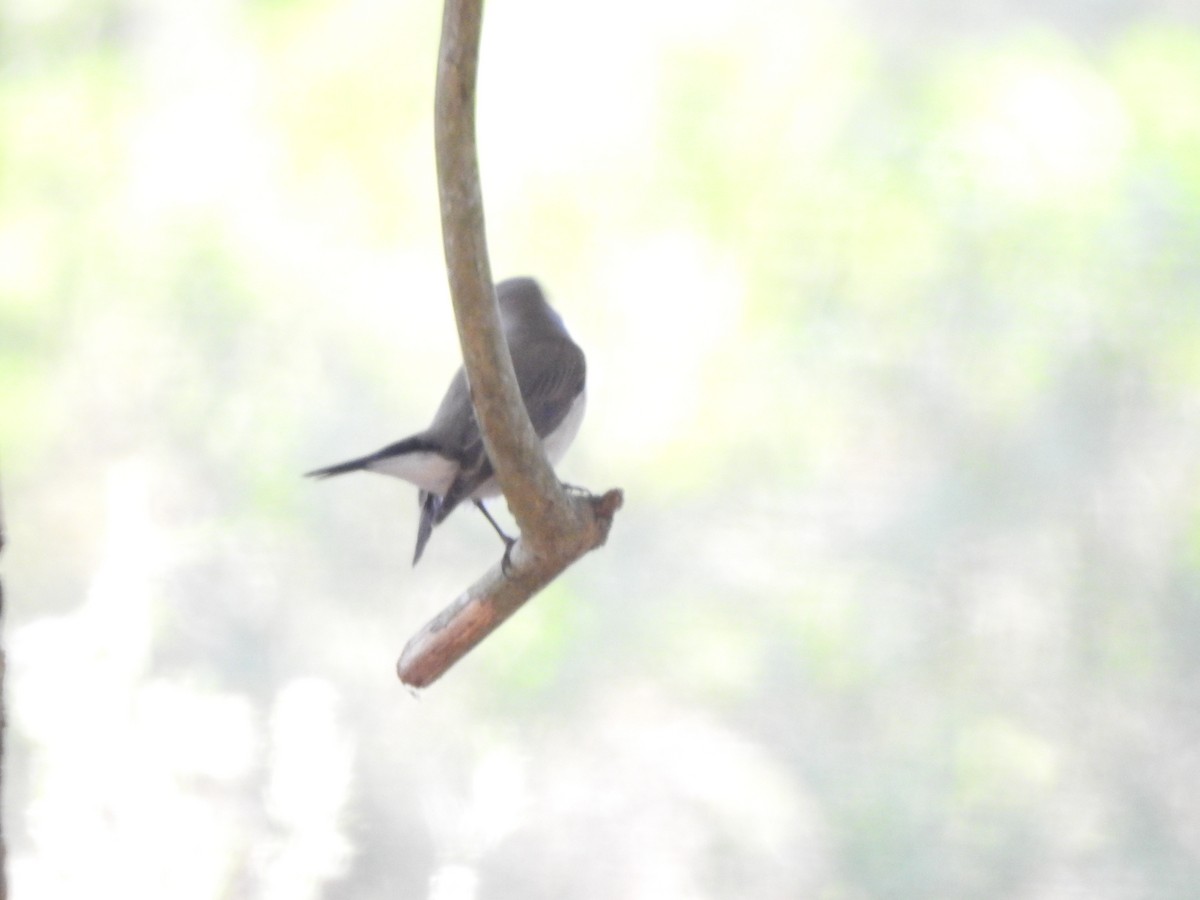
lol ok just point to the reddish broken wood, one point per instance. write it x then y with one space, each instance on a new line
485 605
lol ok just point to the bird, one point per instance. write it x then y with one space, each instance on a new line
447 461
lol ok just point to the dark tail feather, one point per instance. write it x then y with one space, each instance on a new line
408 445
430 504
340 469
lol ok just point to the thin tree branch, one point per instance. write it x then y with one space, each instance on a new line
556 527
508 435
480 609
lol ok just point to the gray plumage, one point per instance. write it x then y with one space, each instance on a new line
447 460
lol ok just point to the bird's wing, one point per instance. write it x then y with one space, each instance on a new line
550 378
456 427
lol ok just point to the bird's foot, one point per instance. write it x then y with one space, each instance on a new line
506 560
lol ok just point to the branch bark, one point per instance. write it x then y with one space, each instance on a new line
556 527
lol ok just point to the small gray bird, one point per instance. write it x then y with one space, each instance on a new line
447 460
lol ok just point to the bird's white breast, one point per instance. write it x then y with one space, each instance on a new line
555 444
557 441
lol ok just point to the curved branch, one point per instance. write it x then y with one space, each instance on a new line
556 527
521 467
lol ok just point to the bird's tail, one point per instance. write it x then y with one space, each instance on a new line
410 444
352 465
430 504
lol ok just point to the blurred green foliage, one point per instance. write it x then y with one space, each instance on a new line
893 335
